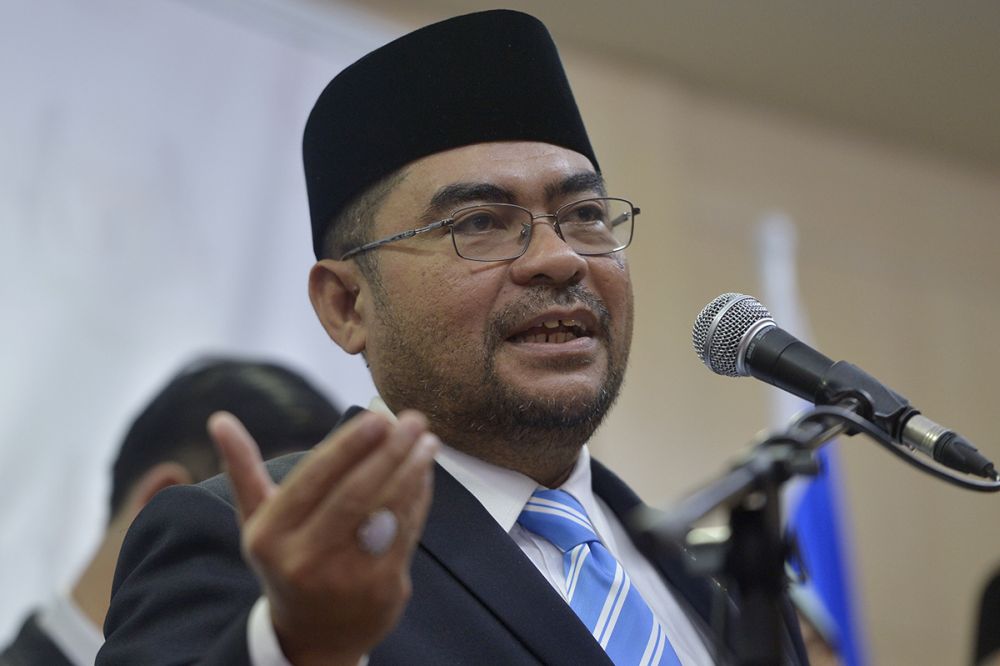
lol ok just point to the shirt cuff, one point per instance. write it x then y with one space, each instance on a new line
262 642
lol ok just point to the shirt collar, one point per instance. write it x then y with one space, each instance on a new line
504 492
70 630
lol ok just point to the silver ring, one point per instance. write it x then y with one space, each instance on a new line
377 533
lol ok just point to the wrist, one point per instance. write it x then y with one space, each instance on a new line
315 650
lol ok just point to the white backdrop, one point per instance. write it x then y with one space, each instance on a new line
152 206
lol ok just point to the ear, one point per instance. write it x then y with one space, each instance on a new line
336 295
158 477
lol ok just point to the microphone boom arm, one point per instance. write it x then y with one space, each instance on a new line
753 554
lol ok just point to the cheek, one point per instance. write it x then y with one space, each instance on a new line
614 285
463 309
446 301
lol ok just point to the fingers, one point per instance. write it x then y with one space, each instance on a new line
370 482
373 482
408 493
367 464
312 480
324 588
241 458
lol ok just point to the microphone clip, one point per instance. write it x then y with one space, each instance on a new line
847 385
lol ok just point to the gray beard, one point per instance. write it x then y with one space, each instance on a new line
491 419
542 428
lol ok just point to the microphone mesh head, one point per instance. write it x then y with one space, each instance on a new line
720 327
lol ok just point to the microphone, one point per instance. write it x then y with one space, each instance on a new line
735 335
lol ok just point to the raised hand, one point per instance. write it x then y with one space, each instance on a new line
331 598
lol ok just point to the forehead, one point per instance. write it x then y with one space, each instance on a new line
530 172
512 159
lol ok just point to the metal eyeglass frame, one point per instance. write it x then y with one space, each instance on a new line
450 221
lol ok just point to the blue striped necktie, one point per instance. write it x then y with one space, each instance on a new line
597 587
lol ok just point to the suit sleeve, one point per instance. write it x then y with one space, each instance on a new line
182 592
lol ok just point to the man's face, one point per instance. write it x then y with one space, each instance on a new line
539 341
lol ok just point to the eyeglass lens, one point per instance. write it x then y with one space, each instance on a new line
501 231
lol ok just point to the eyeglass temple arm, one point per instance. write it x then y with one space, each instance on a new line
409 233
624 217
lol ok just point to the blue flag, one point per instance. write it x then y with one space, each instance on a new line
814 509
817 521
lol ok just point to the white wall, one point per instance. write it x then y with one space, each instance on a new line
152 206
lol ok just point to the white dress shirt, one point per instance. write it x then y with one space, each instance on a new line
72 631
503 493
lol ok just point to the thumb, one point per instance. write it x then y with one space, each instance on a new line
241 459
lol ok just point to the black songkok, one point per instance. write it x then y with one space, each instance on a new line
488 76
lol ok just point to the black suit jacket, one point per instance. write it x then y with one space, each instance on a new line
182 592
33 647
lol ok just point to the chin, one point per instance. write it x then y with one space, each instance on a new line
569 390
565 405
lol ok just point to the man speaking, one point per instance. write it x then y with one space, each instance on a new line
468 249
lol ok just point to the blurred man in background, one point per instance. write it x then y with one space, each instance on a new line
167 445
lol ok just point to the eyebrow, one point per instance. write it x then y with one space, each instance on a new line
453 196
585 181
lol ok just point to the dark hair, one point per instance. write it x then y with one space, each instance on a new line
282 410
354 225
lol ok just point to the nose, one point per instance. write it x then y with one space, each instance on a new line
548 259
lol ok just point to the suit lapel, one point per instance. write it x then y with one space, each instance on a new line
702 593
696 590
463 537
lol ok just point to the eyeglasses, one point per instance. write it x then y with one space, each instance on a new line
500 231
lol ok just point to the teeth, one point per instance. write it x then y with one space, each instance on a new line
559 337
555 323
576 329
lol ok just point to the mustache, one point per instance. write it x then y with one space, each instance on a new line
541 298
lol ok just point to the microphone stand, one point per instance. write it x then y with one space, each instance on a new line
751 554
752 558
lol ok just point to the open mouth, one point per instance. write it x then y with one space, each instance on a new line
552 331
